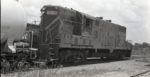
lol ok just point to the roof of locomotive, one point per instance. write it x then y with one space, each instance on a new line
86 15
71 9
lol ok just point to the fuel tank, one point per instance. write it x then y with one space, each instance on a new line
13 21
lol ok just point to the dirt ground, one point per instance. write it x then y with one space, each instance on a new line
124 68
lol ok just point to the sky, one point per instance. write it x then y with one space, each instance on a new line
133 14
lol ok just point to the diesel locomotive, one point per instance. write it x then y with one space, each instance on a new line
68 35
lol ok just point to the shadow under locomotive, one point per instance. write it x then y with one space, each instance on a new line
93 61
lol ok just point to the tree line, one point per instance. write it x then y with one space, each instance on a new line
137 46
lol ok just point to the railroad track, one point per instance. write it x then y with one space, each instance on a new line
143 74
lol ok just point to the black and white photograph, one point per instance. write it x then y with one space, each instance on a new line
75 38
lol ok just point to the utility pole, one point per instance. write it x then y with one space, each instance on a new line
35 22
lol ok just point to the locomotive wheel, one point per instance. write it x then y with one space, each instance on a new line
27 66
121 56
75 59
23 65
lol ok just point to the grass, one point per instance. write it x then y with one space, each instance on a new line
58 72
